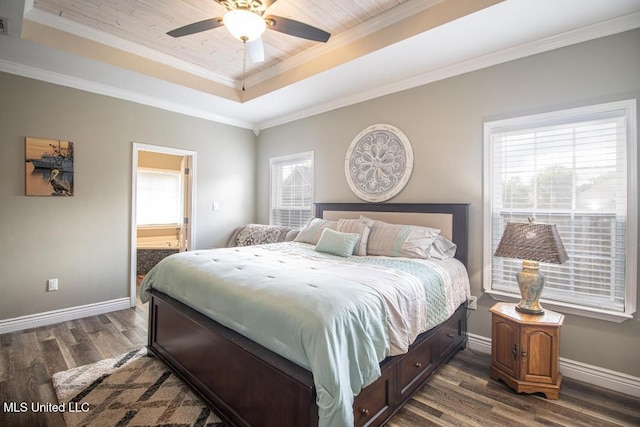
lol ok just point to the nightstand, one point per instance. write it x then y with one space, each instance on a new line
525 350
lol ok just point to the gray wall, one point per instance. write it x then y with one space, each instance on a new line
443 121
84 240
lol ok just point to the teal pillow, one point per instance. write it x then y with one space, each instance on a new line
337 243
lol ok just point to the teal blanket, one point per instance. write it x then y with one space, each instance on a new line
333 316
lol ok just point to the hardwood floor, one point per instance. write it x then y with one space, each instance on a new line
29 358
460 394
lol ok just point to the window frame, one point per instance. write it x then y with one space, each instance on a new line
291 159
565 116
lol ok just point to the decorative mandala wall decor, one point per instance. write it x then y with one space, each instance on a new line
379 163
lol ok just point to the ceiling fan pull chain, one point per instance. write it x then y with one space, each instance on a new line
244 60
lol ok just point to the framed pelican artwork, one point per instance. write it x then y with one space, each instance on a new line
48 167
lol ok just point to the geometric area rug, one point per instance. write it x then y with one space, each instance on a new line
133 389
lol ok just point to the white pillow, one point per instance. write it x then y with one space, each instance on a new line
442 248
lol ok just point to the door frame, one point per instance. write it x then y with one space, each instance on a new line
190 205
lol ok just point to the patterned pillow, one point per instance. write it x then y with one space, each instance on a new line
313 230
398 240
359 227
258 234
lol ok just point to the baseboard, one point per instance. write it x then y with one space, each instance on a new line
57 316
602 377
479 343
595 375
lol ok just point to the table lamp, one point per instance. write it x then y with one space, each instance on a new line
533 243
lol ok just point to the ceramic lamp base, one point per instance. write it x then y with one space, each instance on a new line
522 308
530 282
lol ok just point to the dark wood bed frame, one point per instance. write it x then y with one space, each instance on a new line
249 385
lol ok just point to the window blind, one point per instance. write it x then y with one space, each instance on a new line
158 197
291 202
567 169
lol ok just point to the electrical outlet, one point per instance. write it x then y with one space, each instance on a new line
52 285
472 303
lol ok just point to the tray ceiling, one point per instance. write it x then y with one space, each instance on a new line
377 47
216 52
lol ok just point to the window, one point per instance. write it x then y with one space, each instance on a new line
576 169
291 202
158 197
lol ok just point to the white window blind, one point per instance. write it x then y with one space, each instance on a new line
291 201
576 169
158 197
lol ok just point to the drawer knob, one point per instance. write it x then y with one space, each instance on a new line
418 365
364 412
450 335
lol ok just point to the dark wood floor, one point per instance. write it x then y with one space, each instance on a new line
460 394
29 358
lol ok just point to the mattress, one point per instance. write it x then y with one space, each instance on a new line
337 317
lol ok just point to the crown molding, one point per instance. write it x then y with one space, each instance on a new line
125 94
68 26
591 32
606 28
377 23
385 19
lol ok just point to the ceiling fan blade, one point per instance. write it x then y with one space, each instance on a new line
196 27
255 50
296 28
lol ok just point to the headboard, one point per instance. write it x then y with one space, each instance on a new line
451 218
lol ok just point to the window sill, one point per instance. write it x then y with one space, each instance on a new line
593 313
157 226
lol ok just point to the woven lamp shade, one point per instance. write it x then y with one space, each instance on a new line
533 242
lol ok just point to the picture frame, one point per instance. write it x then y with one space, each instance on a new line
379 163
49 167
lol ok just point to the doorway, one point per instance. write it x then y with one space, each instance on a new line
162 207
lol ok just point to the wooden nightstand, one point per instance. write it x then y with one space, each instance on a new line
525 349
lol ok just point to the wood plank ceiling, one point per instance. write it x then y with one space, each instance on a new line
146 22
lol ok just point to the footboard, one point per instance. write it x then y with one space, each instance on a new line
249 385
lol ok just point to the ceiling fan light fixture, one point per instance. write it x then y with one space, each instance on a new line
244 25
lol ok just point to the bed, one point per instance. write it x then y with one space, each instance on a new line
250 379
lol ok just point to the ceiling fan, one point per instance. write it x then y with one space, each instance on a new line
245 20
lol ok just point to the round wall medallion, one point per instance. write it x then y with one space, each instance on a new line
379 163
